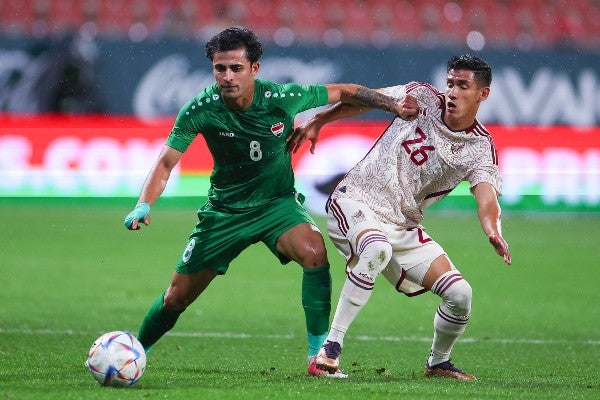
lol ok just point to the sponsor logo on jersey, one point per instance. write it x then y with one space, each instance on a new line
227 134
277 129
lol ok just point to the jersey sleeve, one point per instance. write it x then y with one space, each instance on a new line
397 92
300 98
486 173
486 164
186 127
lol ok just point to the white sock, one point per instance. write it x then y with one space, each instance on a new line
445 335
451 317
374 252
352 300
336 335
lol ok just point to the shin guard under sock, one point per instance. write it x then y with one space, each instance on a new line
156 323
316 301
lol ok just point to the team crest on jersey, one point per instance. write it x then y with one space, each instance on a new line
277 129
456 147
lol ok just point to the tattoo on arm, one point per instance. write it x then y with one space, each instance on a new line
373 99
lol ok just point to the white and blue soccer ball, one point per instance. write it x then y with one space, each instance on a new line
117 359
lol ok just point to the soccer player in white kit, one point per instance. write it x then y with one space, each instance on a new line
375 211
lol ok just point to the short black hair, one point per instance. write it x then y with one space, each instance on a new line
481 69
235 38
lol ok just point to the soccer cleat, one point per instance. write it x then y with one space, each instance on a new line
313 370
447 370
328 358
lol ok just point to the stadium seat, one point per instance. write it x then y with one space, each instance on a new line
504 23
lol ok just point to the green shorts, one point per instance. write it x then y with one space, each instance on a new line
221 235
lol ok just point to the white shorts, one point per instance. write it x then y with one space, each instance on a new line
413 250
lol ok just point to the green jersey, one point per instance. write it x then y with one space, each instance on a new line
251 163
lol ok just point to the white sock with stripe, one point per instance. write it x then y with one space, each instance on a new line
452 316
374 252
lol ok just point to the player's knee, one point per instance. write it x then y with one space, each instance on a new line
312 254
374 251
458 297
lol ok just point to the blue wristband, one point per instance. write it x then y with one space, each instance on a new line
139 212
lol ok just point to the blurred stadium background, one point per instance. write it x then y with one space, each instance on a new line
518 24
88 92
89 89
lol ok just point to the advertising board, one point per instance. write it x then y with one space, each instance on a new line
553 168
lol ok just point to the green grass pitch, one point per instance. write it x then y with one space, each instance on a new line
70 271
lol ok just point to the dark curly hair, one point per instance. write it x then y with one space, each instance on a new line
235 38
481 70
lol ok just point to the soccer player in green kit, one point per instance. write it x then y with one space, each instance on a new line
245 122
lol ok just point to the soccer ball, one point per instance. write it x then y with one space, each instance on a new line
117 359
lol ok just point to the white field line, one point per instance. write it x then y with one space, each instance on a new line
242 336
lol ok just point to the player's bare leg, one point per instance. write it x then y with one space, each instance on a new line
185 288
165 310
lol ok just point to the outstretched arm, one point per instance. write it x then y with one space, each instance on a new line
489 213
363 99
155 184
355 100
311 127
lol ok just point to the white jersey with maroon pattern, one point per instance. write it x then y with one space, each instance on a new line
416 163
